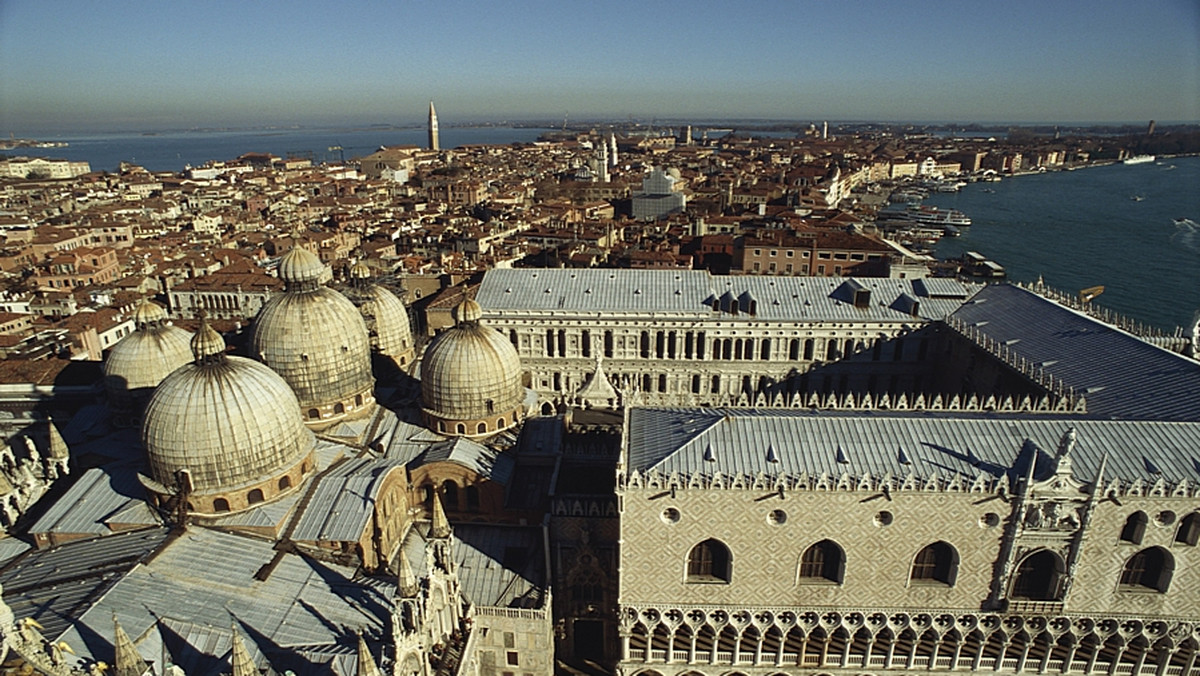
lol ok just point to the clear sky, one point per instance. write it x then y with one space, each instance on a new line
75 65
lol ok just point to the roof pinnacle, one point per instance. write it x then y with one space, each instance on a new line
440 527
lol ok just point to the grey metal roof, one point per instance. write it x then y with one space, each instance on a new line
499 565
54 585
943 287
208 577
99 496
1120 375
264 515
10 548
342 502
485 461
405 441
678 440
689 294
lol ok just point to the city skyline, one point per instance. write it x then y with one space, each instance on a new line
144 66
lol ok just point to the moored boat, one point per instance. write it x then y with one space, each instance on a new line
1138 159
935 216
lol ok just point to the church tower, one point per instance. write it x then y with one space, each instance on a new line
433 129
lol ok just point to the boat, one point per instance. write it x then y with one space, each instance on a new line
935 216
1136 198
951 231
1138 159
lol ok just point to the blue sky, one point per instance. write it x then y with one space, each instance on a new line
134 65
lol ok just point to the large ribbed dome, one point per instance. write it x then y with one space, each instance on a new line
385 316
140 361
232 423
316 339
471 378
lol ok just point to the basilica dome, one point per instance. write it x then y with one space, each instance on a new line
231 423
385 315
140 361
316 339
471 378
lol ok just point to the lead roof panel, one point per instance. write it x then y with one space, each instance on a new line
691 293
678 440
1120 375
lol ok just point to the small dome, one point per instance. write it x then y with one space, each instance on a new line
207 343
471 378
387 322
360 270
300 268
140 361
467 311
148 312
232 423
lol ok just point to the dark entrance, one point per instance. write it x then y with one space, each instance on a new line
589 640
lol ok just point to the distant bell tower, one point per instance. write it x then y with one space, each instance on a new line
1150 129
433 129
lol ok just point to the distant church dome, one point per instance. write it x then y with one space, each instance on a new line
140 361
471 378
385 315
316 339
231 423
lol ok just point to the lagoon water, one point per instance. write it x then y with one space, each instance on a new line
1083 228
172 151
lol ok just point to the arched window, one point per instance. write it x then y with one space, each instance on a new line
338 408
255 496
481 428
1039 577
460 428
220 505
937 563
823 562
709 561
1148 570
1135 528
450 495
500 423
285 482
313 414
1189 530
427 495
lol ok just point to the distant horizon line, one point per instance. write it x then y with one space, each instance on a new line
552 124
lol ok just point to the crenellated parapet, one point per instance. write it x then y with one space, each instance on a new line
983 483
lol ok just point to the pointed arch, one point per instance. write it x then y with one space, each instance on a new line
450 495
935 564
1189 530
1135 528
681 641
823 562
1039 577
1148 570
709 561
